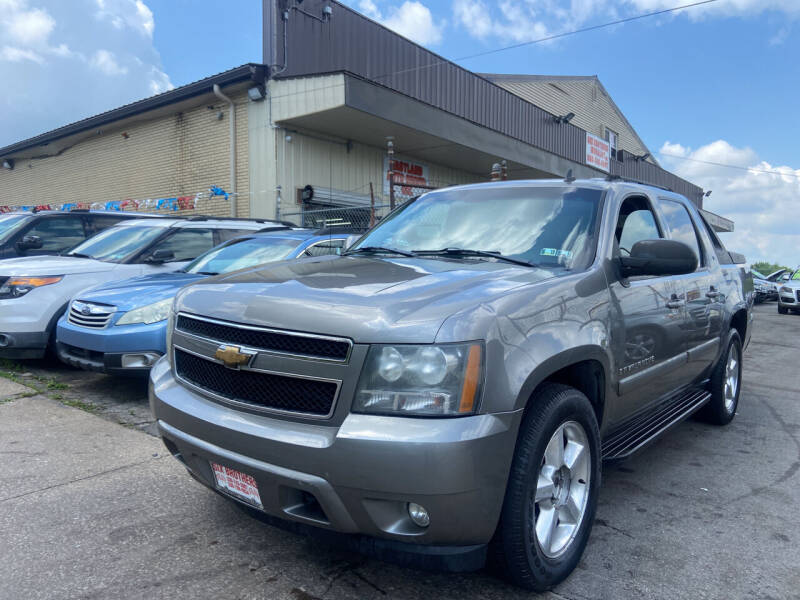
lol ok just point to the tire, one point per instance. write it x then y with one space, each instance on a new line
725 391
524 549
783 310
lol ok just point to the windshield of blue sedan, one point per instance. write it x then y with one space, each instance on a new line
117 243
553 227
9 224
241 254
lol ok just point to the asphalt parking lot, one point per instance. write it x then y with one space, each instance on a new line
92 506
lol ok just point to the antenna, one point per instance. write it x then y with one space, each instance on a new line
570 177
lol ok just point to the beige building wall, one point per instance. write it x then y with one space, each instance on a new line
177 154
585 96
291 159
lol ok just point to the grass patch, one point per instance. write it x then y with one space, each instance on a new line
79 404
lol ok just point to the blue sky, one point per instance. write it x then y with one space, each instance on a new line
716 83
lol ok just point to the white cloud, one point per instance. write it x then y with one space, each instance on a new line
121 14
106 62
69 60
528 20
12 54
759 197
412 19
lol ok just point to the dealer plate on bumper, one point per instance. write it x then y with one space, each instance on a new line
237 484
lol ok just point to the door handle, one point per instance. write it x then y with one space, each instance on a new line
712 293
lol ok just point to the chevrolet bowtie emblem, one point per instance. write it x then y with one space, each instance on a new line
233 357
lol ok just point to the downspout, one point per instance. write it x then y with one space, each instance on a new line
218 93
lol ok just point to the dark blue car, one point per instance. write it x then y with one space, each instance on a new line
120 328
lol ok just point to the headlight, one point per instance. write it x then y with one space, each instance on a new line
170 327
431 380
14 287
152 313
786 289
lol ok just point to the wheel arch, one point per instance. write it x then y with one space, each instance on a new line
584 368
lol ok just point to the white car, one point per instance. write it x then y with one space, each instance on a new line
35 291
789 293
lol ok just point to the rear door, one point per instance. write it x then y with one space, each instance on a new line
704 300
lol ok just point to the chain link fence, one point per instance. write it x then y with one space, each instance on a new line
352 217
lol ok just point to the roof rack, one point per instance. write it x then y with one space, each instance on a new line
213 218
614 177
340 230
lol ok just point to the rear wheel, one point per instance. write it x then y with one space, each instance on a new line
725 384
552 490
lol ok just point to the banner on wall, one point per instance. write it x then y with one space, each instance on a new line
172 203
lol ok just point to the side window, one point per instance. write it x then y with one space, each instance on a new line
636 223
223 235
719 249
680 226
325 248
187 244
98 223
57 234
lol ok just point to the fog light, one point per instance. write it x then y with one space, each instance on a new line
139 361
418 514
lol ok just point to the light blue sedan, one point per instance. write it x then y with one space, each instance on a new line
120 328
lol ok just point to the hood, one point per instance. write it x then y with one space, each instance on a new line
139 291
792 283
369 300
52 265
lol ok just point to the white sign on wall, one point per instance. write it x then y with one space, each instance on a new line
598 152
406 173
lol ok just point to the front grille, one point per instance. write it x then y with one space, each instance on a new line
798 295
261 390
265 339
87 314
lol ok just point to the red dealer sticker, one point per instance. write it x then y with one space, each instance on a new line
237 484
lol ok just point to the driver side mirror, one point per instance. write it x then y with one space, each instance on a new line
30 242
160 256
658 257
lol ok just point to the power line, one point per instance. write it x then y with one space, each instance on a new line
728 166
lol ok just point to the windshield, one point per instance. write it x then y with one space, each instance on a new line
9 224
547 226
242 253
796 275
117 243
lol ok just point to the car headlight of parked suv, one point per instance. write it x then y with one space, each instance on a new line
15 287
426 380
152 313
786 290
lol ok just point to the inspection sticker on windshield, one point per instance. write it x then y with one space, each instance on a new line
237 484
555 252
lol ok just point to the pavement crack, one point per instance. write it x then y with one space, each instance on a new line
604 523
79 479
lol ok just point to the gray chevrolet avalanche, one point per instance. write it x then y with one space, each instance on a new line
449 387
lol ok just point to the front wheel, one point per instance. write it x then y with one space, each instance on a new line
782 310
552 490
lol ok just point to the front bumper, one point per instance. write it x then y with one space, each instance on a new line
102 350
357 478
789 300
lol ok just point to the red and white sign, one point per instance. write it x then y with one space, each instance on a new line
406 173
598 152
237 484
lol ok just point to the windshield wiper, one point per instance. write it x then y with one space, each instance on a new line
379 250
211 273
79 255
469 252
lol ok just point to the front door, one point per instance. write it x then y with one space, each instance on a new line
649 352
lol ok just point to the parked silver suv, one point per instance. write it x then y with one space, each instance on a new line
451 382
